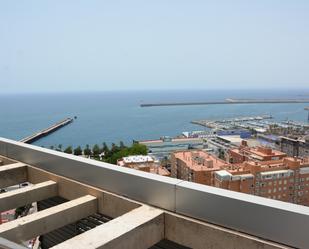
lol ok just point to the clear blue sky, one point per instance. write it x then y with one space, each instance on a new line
161 44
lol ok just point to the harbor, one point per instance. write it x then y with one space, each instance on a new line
230 123
97 125
260 124
45 132
230 101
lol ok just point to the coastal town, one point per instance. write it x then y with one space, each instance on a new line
254 155
249 155
154 124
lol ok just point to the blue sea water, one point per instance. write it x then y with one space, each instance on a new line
117 116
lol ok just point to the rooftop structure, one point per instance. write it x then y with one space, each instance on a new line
231 139
118 207
196 166
165 145
199 134
260 153
137 159
143 163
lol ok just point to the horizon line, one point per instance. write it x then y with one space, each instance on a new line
154 90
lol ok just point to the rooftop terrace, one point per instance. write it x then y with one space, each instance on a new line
143 209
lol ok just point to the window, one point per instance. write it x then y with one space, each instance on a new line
280 182
279 189
269 191
270 183
275 190
284 188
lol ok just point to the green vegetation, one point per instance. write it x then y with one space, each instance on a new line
96 150
118 152
87 151
106 154
68 150
78 151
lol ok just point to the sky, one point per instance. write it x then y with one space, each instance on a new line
71 45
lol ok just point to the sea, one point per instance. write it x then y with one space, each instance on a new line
116 116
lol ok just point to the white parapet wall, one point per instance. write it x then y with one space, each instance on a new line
273 220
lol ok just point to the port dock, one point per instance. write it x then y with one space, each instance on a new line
260 124
231 123
45 132
230 101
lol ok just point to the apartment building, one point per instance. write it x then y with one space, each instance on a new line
195 166
286 179
298 147
260 153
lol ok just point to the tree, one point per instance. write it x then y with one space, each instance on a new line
68 150
138 149
96 150
114 148
52 147
121 145
78 151
59 148
87 151
105 148
135 149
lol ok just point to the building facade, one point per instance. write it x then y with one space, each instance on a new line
286 180
295 147
195 166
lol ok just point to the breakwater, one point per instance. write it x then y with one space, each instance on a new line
47 131
230 101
